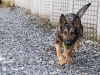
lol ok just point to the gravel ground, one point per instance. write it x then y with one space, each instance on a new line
27 48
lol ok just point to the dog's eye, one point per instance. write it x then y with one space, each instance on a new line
72 33
65 32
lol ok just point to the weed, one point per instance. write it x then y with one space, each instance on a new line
94 39
49 23
8 4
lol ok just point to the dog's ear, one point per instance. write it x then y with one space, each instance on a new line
81 12
62 20
77 22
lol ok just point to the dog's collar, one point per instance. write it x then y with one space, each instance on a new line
65 45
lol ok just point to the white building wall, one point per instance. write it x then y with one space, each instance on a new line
44 9
98 27
52 9
35 7
89 19
20 3
59 7
28 4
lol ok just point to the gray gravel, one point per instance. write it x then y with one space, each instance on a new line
27 48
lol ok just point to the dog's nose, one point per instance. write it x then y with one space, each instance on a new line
68 43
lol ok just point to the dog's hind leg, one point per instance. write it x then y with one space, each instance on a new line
77 44
59 54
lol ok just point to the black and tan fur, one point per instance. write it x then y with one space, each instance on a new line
69 31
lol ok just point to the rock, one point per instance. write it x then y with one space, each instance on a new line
4 68
96 43
1 59
89 41
51 62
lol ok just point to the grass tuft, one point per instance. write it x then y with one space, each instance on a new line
94 39
8 4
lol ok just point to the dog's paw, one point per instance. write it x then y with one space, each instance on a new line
67 60
64 54
61 60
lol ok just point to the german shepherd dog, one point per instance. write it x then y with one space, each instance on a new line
69 32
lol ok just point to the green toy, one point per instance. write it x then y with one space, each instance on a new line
65 45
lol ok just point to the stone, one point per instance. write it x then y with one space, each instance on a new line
89 41
1 59
4 68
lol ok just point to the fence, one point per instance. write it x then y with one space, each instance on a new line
52 9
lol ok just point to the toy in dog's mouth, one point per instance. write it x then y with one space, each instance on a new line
68 47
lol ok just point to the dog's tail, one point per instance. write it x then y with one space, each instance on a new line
81 12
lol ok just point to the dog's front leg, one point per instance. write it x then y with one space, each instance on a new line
59 54
68 53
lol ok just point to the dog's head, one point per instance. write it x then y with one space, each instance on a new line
70 30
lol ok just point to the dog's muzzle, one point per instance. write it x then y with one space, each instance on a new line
68 43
